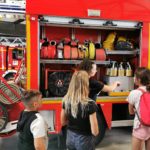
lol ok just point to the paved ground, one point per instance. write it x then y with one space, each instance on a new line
115 139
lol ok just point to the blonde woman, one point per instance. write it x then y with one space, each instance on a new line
79 114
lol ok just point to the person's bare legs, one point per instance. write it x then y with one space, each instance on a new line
147 144
137 144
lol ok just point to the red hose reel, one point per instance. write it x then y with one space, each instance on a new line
57 82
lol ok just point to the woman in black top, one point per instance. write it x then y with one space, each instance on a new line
95 86
79 113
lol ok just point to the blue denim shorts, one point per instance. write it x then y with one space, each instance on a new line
77 141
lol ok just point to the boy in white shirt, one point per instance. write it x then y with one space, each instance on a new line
31 126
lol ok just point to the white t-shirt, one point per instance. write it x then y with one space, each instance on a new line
134 99
39 128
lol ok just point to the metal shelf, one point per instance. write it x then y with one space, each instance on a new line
114 52
122 52
55 61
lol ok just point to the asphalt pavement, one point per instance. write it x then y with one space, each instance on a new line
115 139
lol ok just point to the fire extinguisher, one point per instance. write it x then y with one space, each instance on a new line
51 51
44 49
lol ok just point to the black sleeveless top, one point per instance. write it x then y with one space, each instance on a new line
25 139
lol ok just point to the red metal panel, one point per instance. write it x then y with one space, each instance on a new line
57 32
34 61
110 9
85 34
107 111
14 110
144 46
57 108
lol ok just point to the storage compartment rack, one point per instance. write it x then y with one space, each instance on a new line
123 52
95 31
51 61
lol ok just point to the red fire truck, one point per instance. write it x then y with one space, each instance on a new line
61 33
12 66
107 22
12 52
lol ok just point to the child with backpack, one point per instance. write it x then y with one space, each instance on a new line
139 105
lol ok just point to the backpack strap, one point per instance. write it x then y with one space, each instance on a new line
142 90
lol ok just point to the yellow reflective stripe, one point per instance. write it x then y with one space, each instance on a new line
52 102
102 100
28 50
111 101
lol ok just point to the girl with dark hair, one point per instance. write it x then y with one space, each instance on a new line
141 133
95 86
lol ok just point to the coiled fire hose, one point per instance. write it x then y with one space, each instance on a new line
52 49
74 49
9 92
91 50
67 51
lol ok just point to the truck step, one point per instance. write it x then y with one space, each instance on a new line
122 123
